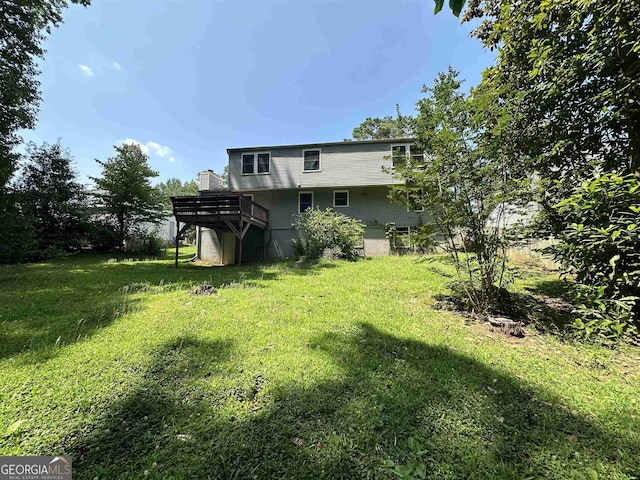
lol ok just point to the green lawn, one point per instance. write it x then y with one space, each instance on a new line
330 370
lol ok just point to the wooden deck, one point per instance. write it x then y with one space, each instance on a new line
224 212
214 211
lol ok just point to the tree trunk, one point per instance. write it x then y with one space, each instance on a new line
121 232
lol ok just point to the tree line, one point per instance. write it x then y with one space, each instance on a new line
48 212
44 209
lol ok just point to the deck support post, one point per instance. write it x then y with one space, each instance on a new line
240 250
179 236
177 242
239 233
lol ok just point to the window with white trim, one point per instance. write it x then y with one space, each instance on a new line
253 163
311 160
247 164
402 238
341 198
401 154
305 201
417 155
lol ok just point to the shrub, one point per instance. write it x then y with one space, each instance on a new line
144 243
102 237
601 246
326 229
461 173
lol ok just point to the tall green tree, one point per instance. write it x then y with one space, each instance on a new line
464 178
25 25
124 194
374 128
55 198
572 70
224 177
175 187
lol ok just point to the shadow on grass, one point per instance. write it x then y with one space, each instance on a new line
546 314
386 394
545 304
49 305
145 422
557 288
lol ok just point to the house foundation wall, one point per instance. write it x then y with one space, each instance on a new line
209 246
280 242
375 242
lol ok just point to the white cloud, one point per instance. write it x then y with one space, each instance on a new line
152 148
160 150
117 66
86 70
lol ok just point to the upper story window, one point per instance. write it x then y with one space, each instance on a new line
417 155
253 163
247 163
311 160
264 162
401 154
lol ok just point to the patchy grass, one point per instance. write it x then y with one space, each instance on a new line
326 370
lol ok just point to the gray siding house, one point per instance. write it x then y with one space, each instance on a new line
349 177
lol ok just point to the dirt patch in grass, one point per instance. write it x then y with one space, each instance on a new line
204 290
545 313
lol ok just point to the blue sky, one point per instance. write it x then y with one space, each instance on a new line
189 79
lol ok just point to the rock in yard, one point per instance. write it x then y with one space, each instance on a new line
507 326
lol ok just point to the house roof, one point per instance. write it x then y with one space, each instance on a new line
303 145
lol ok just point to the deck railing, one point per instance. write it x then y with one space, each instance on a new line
254 210
219 206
